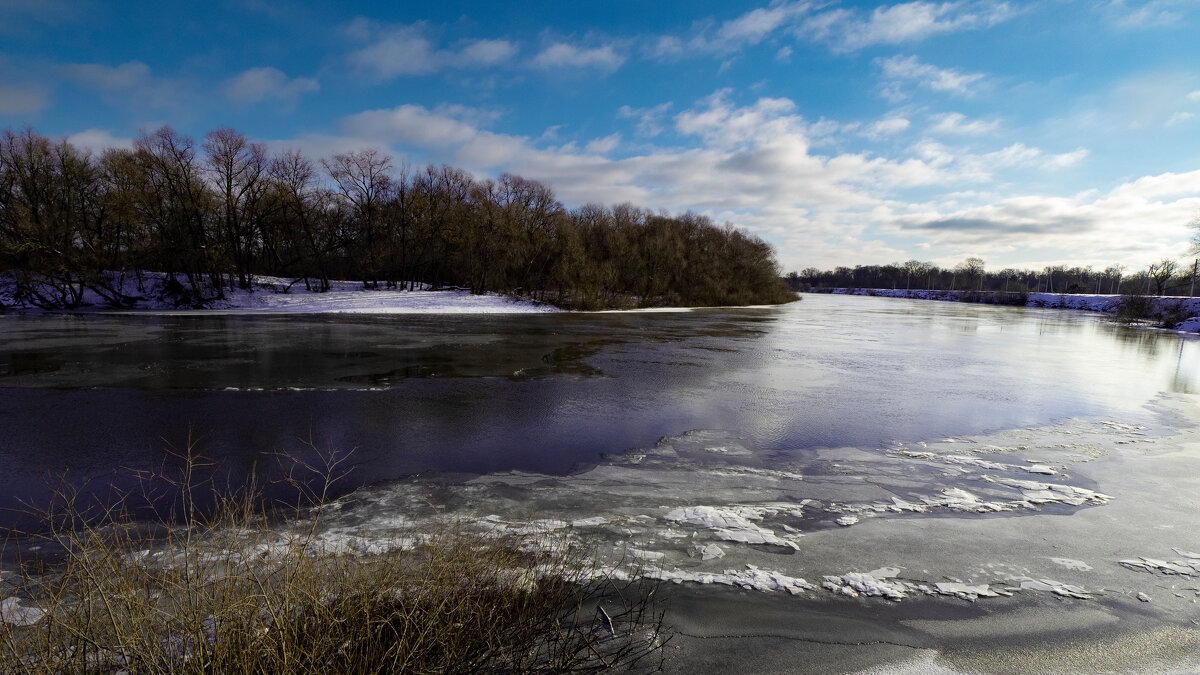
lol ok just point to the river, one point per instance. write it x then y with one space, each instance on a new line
895 463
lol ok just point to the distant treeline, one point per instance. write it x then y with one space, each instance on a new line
1166 277
212 215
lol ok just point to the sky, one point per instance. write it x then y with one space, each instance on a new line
1024 133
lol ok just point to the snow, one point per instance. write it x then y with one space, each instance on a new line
734 523
1107 304
752 578
877 583
279 295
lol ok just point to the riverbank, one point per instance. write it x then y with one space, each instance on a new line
148 293
1176 313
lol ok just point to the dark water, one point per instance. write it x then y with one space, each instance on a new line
550 393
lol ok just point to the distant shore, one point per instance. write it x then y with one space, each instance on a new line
1182 313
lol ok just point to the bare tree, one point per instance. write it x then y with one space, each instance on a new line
1161 272
364 180
238 169
972 268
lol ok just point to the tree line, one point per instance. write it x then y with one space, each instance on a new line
1166 277
214 214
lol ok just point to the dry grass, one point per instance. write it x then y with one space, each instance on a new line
216 583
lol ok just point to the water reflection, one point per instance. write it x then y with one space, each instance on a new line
550 393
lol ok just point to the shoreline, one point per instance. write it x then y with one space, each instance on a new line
280 295
1086 302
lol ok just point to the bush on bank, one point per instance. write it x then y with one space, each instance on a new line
235 588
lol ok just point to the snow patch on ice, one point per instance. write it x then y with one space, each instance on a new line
737 523
751 578
876 583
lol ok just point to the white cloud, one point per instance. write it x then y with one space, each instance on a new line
107 78
603 146
406 50
486 53
784 55
98 140
259 84
1021 155
666 47
565 55
25 100
899 69
649 120
1194 96
1137 14
957 124
1179 118
750 28
130 84
888 126
1135 223
902 23
754 165
1149 99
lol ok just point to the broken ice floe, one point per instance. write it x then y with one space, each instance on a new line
1046 493
1032 494
1050 586
737 522
884 583
1189 567
1071 564
968 460
751 578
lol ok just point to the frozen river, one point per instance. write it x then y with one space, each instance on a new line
959 486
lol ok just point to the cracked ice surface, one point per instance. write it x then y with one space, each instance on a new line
704 507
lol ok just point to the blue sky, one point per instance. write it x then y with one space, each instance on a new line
844 133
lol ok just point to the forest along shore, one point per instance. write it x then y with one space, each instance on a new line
1175 313
214 215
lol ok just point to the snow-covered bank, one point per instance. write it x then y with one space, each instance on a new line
276 294
1109 304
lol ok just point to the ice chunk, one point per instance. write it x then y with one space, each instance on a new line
1190 567
1041 468
876 583
15 613
847 521
1071 564
590 522
734 523
965 591
1055 587
752 578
